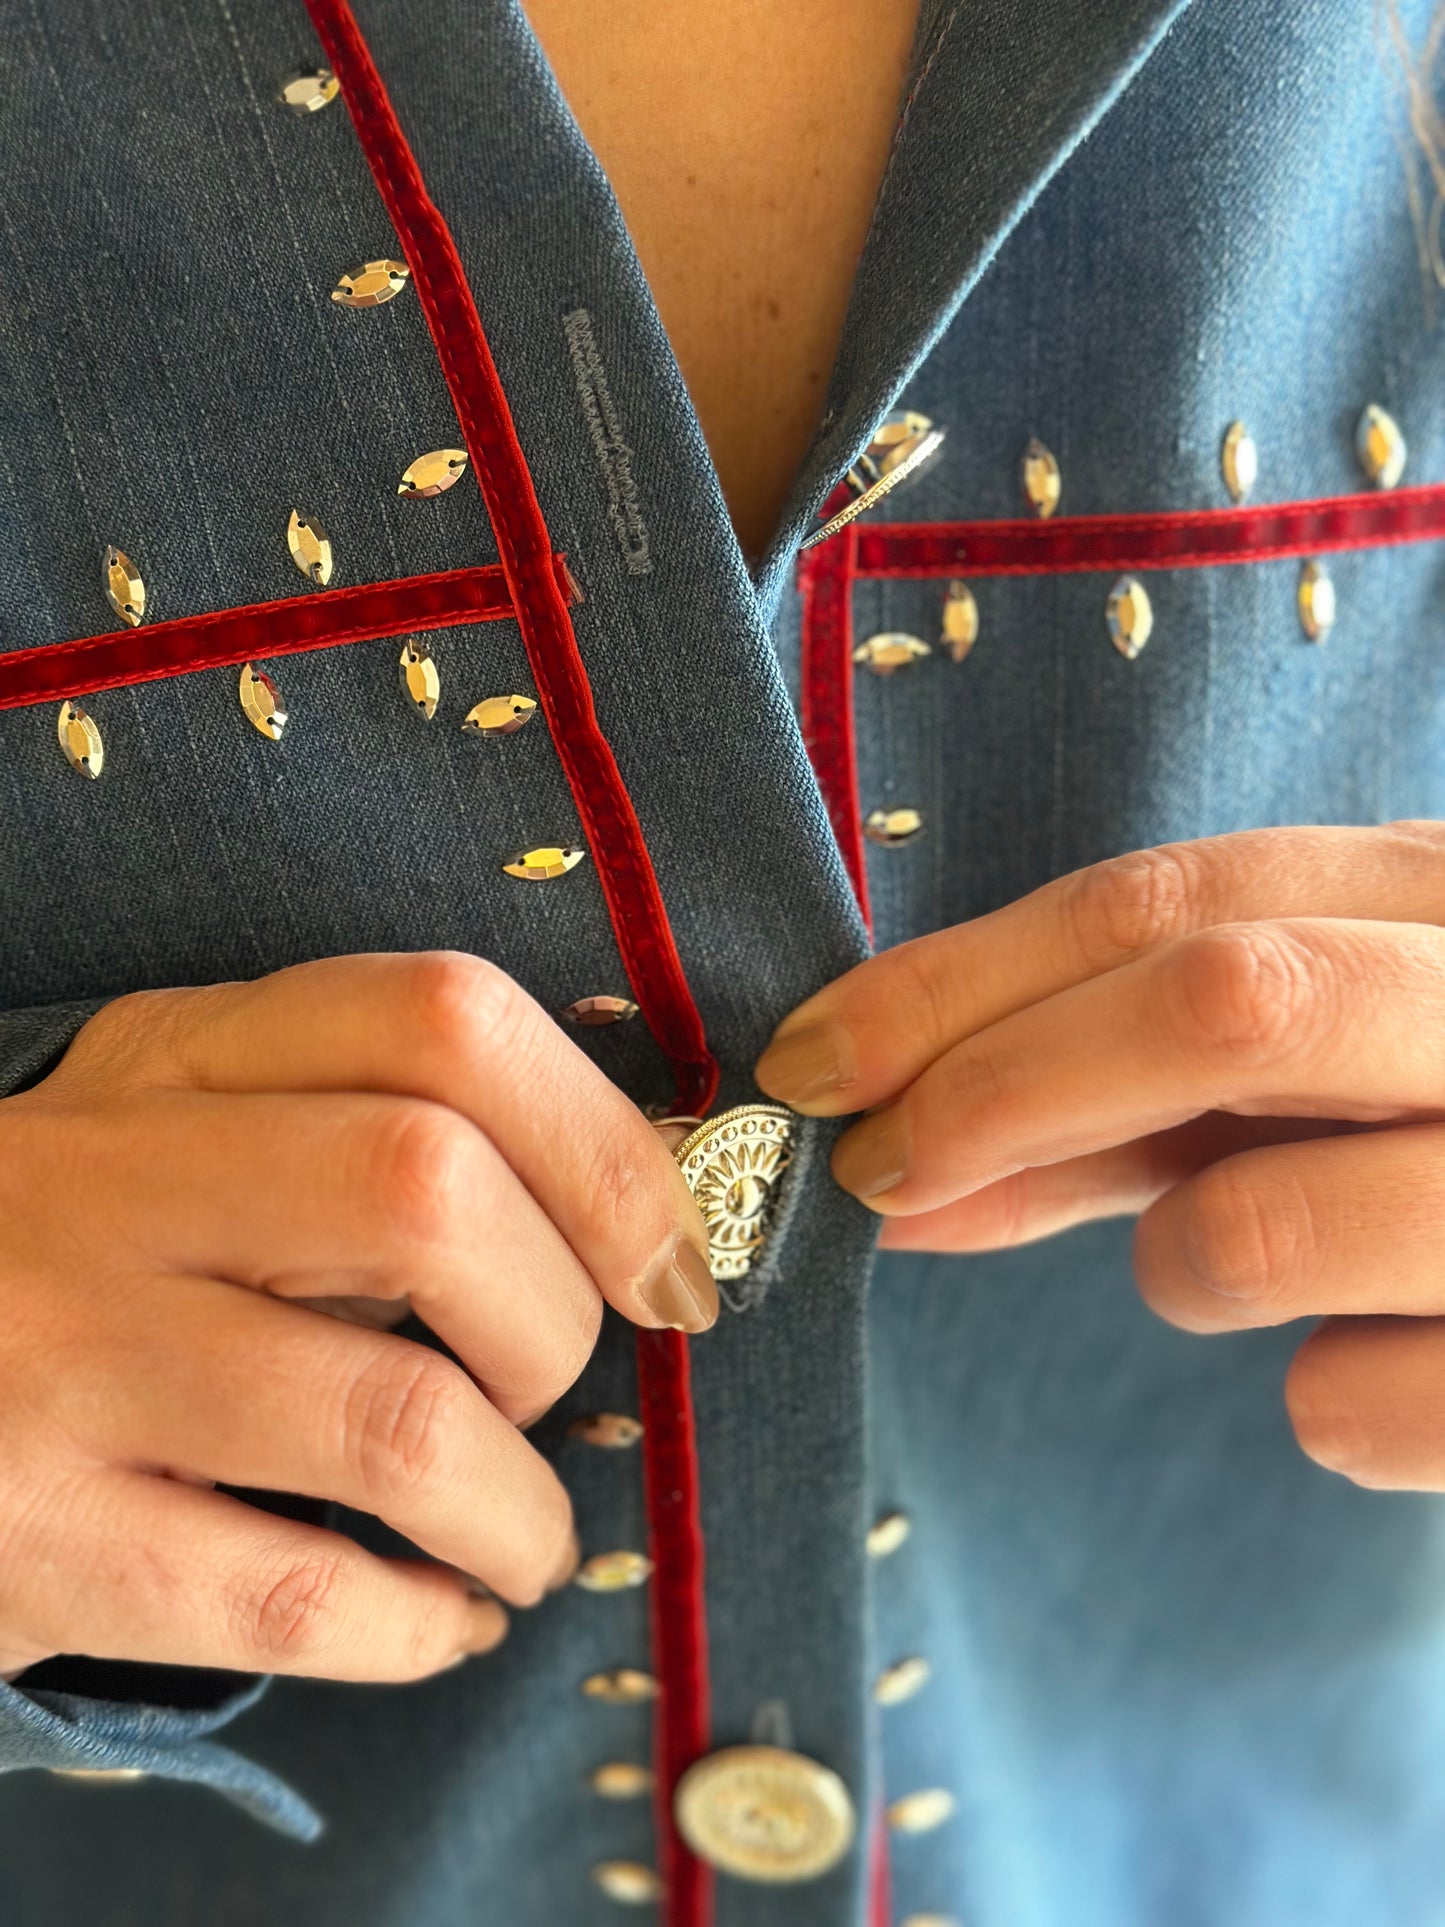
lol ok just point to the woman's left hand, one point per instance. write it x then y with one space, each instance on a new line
1241 1038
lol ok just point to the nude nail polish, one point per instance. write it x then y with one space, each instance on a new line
682 1292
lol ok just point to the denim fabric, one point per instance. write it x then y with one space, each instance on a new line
1180 1674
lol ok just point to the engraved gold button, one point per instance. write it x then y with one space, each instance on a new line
900 1682
500 715
620 1780
627 1880
921 1812
764 1813
420 679
885 653
614 1571
891 826
1129 615
1042 482
960 620
1315 600
1238 461
308 93
887 1534
1380 446
546 861
80 740
310 547
733 1164
124 590
433 474
593 1011
620 1686
613 1431
261 701
373 285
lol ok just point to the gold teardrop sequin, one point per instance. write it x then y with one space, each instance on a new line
372 285
1238 461
887 1534
613 1431
310 547
261 700
308 93
420 680
594 1011
921 1812
620 1686
80 740
960 620
891 826
124 590
620 1780
1315 600
499 715
900 447
546 861
733 1164
1380 446
884 654
627 1880
900 1682
433 474
614 1572
1042 482
1129 615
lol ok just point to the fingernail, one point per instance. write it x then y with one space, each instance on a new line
805 1064
486 1626
567 1571
872 1157
682 1291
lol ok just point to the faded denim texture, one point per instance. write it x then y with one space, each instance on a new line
1181 1675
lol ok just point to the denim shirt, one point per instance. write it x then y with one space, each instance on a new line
1177 1673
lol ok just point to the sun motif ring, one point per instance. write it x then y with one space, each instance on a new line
733 1164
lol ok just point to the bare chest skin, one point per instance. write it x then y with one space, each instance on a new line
745 141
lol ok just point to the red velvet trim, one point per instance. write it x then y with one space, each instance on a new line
613 834
1170 540
679 1625
825 580
255 633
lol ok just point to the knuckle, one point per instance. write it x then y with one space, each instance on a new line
1240 1240
427 1171
1248 991
297 1615
625 1187
1322 1414
1134 903
401 1425
460 1000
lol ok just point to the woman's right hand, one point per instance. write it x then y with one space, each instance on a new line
386 1126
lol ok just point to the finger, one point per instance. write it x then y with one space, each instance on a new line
381 1197
227 1386
1366 1397
1352 1225
870 1032
458 1031
1338 1019
141 1568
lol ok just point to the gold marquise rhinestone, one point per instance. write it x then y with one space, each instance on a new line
433 474
620 1780
903 443
594 1011
372 285
613 1431
890 827
1380 446
80 739
921 1812
261 701
1238 461
1042 482
1315 600
893 650
960 620
548 860
1129 615
628 1880
900 1682
887 1534
310 548
733 1164
124 590
614 1571
620 1686
499 715
420 680
308 93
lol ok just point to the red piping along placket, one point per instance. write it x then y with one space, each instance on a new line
644 935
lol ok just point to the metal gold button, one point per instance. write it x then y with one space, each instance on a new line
766 1814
